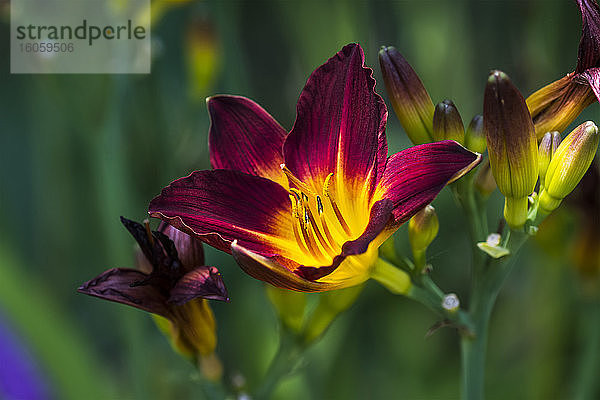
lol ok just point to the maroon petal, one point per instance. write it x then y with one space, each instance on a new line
205 282
340 124
244 137
592 77
589 45
413 177
220 206
116 285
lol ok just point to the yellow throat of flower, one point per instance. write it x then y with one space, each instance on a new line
320 228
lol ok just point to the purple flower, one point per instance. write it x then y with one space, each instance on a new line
308 210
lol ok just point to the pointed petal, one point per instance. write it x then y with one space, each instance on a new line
413 177
244 137
220 206
270 270
140 234
115 285
557 104
340 124
589 45
205 282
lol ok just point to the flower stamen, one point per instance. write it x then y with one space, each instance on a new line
334 205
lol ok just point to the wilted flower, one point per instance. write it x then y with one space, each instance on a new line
172 282
556 105
512 146
568 165
308 210
408 96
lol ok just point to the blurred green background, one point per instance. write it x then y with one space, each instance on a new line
78 151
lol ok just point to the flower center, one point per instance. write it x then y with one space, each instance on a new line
319 226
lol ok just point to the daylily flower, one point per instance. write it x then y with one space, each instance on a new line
308 210
172 282
557 104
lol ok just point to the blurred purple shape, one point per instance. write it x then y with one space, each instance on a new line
20 375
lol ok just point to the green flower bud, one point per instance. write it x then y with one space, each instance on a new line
423 228
548 146
290 306
512 145
568 165
408 96
484 180
447 123
331 304
475 136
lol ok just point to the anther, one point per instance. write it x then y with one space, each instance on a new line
294 206
326 184
319 205
334 205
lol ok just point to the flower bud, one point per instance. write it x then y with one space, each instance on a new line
548 146
447 123
475 136
568 165
423 228
484 180
408 96
512 145
290 306
331 304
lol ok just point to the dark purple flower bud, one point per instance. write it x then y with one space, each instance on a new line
409 98
512 145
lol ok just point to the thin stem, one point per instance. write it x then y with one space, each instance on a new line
286 359
484 295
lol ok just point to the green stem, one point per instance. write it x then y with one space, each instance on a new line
285 360
474 209
485 292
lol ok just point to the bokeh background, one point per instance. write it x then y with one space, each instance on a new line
78 151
